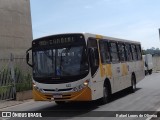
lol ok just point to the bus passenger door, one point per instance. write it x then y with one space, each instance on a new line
123 65
116 68
94 65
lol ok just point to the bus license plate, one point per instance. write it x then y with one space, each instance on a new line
57 96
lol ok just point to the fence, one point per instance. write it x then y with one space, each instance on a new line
15 76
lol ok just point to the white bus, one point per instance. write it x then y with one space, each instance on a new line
83 67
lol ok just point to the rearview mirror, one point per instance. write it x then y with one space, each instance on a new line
27 57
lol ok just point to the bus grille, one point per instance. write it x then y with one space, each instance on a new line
60 90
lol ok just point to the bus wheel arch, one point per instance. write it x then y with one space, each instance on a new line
133 83
107 83
106 92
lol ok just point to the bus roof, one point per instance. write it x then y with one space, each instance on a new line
87 35
110 38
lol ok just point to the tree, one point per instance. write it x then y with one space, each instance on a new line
154 51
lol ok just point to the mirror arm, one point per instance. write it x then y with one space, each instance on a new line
27 57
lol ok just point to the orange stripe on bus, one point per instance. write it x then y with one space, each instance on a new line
109 70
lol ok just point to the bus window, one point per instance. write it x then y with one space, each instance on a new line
114 52
105 56
121 51
134 52
93 55
139 54
128 52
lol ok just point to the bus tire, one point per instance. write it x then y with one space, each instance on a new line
146 72
106 94
150 72
60 102
133 84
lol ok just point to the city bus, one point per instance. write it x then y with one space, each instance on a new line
83 67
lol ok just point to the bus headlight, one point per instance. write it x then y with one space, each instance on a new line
37 88
82 86
86 83
75 89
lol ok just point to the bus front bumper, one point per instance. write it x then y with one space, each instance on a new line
83 95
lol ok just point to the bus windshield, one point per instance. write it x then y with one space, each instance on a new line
60 62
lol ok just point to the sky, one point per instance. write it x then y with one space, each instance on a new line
137 20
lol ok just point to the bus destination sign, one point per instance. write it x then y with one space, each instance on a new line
57 41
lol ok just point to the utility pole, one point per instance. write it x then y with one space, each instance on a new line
159 33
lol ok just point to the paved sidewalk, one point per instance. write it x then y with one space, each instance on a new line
5 104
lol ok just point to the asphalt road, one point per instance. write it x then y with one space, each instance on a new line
146 98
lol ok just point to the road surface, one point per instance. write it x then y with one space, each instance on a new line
146 98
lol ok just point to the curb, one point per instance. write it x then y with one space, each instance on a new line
6 104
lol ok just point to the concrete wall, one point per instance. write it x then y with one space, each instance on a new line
156 63
15 27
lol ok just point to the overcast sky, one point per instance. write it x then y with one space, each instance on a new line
137 20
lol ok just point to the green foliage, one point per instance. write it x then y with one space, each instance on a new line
5 89
5 81
23 81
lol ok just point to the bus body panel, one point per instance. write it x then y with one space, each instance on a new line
96 86
82 95
44 91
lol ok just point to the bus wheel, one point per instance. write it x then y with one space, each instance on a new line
145 72
106 95
133 84
60 102
150 72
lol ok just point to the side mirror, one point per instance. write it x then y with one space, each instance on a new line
27 57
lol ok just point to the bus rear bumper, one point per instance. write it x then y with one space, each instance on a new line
83 95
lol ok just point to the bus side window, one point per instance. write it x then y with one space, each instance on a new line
121 51
134 52
93 55
128 52
139 53
104 51
114 52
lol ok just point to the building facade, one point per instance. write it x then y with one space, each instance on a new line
15 28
